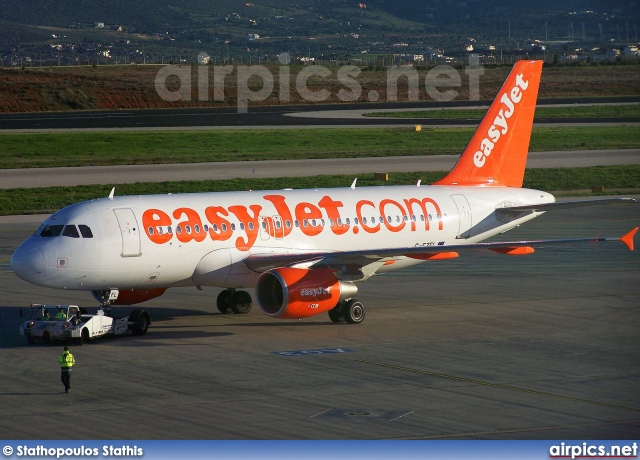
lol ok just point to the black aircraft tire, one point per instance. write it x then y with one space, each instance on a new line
335 315
222 302
353 312
241 302
141 321
142 325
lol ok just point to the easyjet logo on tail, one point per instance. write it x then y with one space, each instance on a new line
500 126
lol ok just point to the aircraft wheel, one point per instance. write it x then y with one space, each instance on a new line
222 302
335 314
353 312
240 302
141 320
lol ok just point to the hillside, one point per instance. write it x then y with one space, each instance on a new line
40 29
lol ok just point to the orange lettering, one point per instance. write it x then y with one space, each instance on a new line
186 230
331 207
393 228
152 219
251 230
305 213
423 208
222 229
359 206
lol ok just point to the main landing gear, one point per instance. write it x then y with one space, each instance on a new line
238 301
352 311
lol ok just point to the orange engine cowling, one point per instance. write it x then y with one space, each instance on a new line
293 293
129 296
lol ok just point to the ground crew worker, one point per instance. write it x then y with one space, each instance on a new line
61 315
45 316
66 361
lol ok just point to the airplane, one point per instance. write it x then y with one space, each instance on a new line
302 250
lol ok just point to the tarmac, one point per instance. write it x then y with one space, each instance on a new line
486 346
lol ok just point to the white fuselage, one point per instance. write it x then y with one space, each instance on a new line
143 242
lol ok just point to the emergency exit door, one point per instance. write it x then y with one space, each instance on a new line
130 232
464 213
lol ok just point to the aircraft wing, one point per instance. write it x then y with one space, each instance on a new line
562 205
357 259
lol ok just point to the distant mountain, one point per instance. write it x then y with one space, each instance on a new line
305 26
154 15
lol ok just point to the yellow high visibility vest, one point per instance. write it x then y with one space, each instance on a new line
66 359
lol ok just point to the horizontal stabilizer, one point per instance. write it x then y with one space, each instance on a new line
542 207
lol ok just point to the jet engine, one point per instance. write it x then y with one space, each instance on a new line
127 296
294 293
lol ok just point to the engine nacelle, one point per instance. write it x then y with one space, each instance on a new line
127 296
293 293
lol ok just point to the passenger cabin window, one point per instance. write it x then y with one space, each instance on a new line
85 231
71 231
51 230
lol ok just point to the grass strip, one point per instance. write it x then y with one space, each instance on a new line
38 150
48 200
587 111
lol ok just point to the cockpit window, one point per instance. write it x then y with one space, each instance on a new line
85 231
51 230
71 231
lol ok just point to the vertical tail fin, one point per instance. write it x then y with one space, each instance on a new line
497 152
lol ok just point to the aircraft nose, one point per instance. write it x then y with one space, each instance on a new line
28 262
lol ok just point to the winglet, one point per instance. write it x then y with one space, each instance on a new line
628 238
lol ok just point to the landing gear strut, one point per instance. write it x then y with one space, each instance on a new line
352 311
239 302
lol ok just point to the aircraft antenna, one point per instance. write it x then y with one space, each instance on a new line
418 184
113 190
353 185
